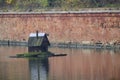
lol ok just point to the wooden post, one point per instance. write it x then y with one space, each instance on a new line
37 34
8 43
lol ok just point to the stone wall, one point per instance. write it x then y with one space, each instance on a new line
62 27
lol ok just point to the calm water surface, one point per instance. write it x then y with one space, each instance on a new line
79 64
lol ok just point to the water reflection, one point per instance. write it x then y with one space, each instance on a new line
85 65
38 68
79 64
13 68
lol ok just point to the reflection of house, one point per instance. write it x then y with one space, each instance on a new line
38 42
38 69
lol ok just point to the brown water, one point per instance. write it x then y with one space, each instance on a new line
13 68
79 64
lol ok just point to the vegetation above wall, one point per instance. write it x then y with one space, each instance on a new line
38 5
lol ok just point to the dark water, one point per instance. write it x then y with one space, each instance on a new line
79 64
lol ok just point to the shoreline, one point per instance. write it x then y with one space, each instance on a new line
86 46
64 45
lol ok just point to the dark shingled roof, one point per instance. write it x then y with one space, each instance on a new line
37 41
34 41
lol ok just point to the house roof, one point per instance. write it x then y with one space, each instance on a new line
34 34
33 41
37 41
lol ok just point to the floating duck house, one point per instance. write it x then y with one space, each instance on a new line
38 42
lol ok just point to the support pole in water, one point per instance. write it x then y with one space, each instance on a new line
37 34
8 43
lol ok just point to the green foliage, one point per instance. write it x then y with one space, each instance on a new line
1 1
58 4
34 54
44 3
9 1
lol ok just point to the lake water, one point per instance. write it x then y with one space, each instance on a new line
79 64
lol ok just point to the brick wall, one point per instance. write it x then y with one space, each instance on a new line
62 27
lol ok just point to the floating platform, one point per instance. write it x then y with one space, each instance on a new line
59 55
37 55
